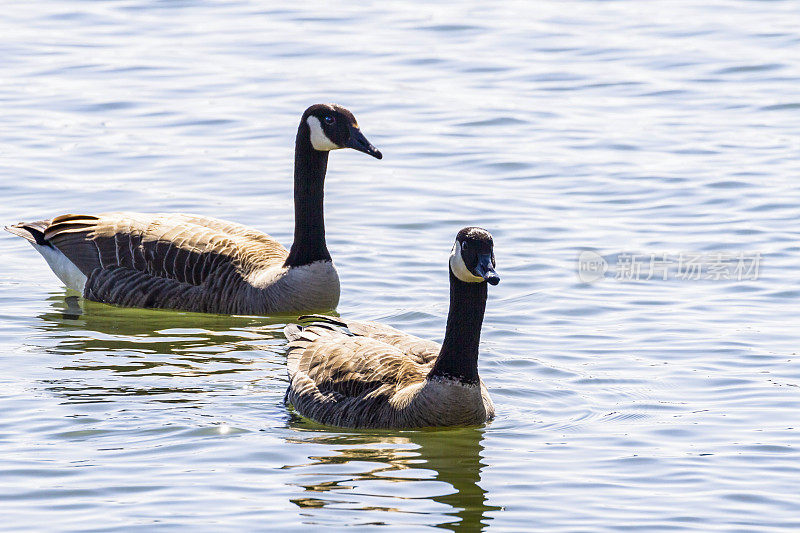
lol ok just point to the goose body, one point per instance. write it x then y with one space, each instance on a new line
198 263
369 375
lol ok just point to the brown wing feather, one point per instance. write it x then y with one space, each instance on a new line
349 365
185 248
423 350
160 260
133 288
338 377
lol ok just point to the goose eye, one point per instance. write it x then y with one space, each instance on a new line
329 119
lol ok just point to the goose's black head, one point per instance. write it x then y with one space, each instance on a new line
472 258
330 127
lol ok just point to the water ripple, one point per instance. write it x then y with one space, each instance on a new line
587 126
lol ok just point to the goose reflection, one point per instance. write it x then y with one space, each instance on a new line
451 456
74 313
146 352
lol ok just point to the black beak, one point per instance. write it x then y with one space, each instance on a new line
357 141
485 270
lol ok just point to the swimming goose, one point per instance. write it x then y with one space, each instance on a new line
368 375
197 263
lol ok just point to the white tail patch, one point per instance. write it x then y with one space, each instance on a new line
319 140
62 267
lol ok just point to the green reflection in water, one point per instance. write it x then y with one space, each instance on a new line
153 346
74 313
453 456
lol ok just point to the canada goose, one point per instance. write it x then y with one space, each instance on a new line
368 375
197 263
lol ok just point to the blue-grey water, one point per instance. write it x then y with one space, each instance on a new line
620 128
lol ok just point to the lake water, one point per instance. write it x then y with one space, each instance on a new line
615 128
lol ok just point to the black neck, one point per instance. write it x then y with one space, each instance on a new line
458 358
309 183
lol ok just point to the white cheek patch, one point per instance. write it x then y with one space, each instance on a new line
319 140
458 267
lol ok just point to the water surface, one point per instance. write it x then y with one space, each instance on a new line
559 126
